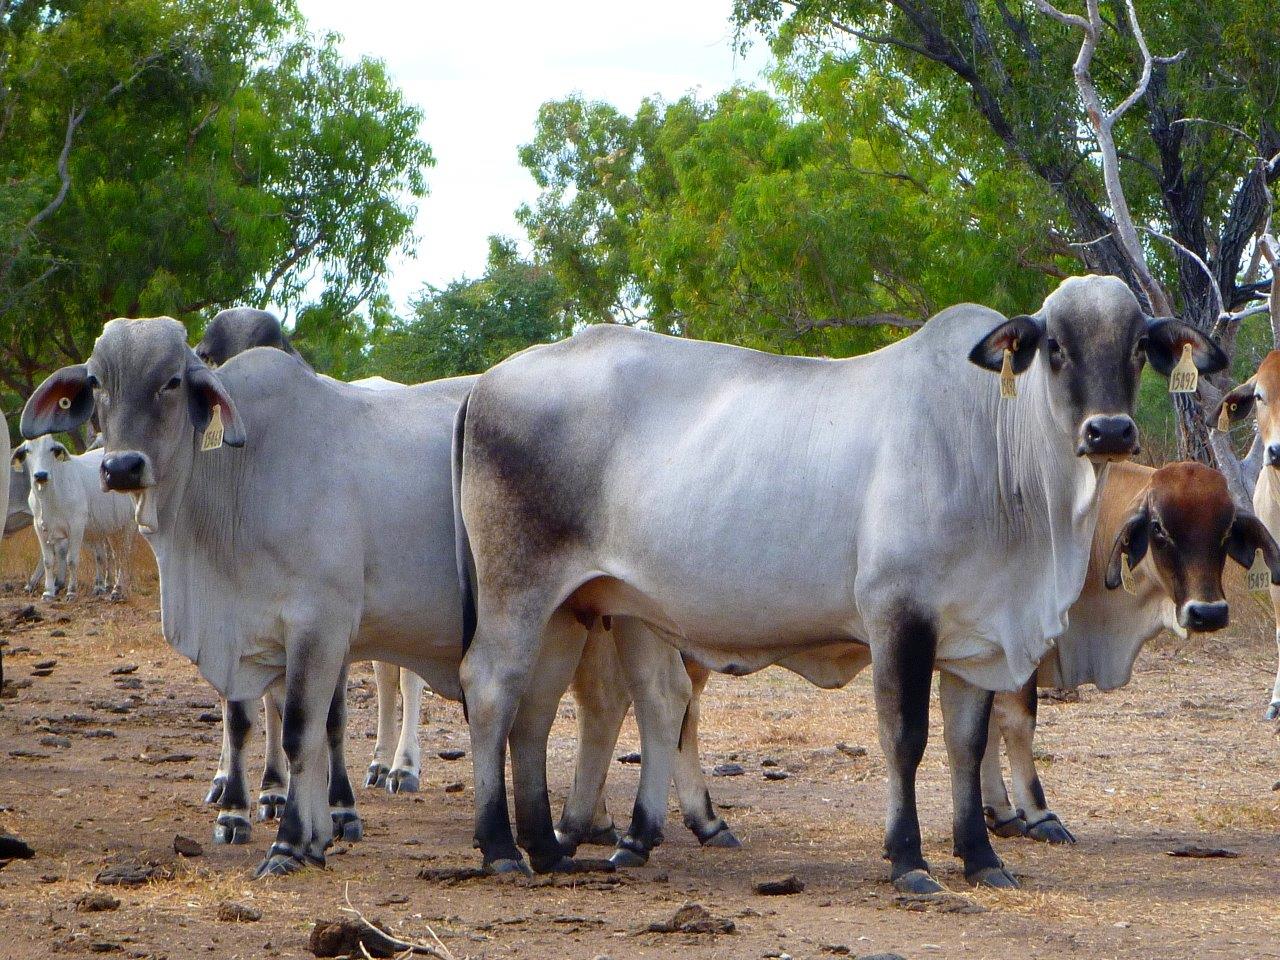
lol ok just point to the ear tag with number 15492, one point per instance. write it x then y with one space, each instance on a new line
1185 377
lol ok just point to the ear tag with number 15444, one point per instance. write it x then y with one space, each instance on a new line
1008 385
1259 575
1185 377
212 438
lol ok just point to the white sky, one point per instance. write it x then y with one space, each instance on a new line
481 70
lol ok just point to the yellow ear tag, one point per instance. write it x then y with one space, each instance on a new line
1185 377
212 438
1224 420
64 403
1008 385
1259 576
17 466
1126 575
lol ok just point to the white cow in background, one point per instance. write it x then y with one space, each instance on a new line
70 510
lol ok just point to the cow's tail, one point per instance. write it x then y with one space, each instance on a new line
462 544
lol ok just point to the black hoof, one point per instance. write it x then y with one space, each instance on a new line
917 882
216 790
625 858
1273 710
347 826
232 828
377 775
1050 829
603 837
1014 825
402 781
271 806
722 839
499 867
997 878
556 865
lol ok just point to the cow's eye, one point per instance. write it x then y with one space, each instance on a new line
1157 531
174 383
92 381
1259 398
1057 356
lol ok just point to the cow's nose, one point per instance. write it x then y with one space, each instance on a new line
1205 617
122 471
1273 454
40 476
1110 436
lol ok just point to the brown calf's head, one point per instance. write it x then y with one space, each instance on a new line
1260 394
1091 340
1189 523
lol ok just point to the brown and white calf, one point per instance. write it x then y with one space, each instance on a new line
1260 395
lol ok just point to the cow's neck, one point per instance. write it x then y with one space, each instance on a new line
198 508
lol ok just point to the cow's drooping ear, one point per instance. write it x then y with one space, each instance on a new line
19 457
1020 335
204 392
1166 339
1237 404
1247 537
1131 541
60 404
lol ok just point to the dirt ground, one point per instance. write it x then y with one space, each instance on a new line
98 769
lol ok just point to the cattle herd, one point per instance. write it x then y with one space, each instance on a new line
623 513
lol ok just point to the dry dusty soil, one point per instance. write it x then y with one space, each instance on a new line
100 768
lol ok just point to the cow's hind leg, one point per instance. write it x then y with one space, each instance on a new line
966 715
1003 818
660 689
406 772
700 814
315 664
902 671
1016 715
600 692
387 679
561 652
342 799
219 783
274 789
233 825
1273 708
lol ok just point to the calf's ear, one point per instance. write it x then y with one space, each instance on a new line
1247 537
1131 541
1167 338
60 404
19 455
1238 404
204 392
1020 335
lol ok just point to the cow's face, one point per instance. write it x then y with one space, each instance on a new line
40 460
153 399
1091 339
1189 524
1260 395
235 331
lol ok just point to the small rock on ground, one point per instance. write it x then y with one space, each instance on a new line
11 848
776 774
96 901
779 888
728 770
937 903
692 918
231 911
632 757
451 754
187 847
851 750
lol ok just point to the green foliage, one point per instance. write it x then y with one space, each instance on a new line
789 225
472 324
218 155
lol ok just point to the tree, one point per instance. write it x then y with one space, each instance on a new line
1159 148
177 156
789 224
472 324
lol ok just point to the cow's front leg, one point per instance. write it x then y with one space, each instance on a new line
342 799
1016 716
233 824
600 692
700 814
386 678
1003 818
966 717
559 656
902 671
100 566
660 689
37 575
1273 709
406 772
51 555
219 783
71 563
306 828
274 788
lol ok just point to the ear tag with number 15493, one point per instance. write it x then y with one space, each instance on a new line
1259 575
1185 377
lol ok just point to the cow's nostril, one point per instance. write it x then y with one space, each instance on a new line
1092 433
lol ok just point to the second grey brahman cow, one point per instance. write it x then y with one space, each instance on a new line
753 509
